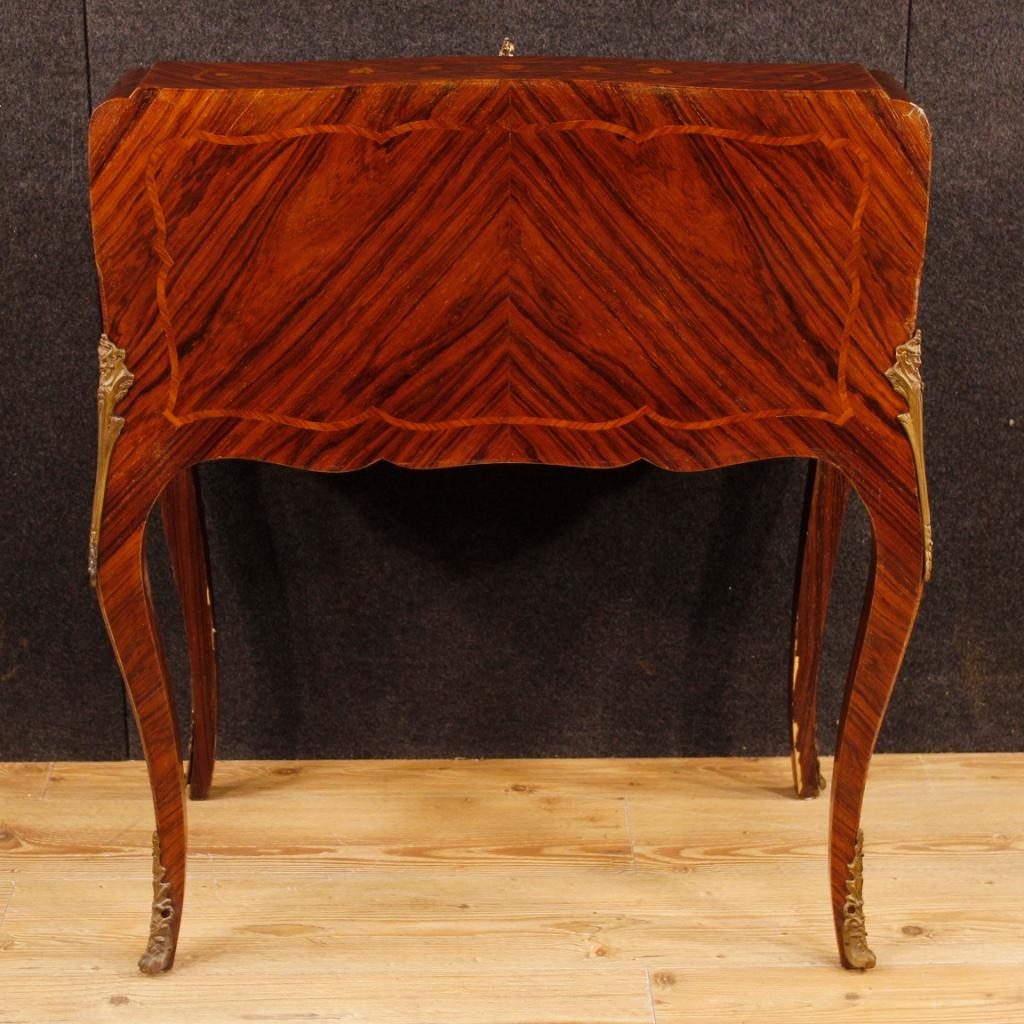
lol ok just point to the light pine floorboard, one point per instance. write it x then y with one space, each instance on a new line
515 892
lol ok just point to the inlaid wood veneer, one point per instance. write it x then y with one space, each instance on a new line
461 261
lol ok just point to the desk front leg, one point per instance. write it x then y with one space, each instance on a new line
123 586
893 595
127 485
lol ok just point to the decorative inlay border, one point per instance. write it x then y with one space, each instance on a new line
851 265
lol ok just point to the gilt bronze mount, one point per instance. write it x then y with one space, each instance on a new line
159 953
115 380
855 935
905 377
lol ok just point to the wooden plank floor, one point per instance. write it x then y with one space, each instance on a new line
515 892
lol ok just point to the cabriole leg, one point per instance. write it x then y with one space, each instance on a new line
124 595
828 494
893 595
181 509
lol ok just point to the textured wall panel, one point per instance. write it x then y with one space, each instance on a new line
123 34
588 613
967 70
57 697
516 610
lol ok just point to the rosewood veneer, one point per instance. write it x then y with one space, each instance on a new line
459 261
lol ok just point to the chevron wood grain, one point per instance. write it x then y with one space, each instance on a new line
456 261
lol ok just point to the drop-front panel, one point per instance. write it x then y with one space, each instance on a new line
578 269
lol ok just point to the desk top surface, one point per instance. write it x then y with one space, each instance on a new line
671 74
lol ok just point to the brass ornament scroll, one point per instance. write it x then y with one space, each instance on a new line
854 932
159 953
905 377
115 380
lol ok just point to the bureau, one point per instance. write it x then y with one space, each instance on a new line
486 260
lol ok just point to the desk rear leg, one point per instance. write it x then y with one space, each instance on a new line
828 494
181 508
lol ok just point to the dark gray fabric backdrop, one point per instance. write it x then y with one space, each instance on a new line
511 610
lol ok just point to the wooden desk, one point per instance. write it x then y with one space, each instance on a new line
456 261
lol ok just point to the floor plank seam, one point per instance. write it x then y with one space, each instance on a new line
629 833
650 996
5 904
46 781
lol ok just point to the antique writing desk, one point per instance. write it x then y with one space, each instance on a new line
460 261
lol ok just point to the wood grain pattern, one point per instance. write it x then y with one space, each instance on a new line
18 780
828 494
276 933
494 326
970 995
736 780
570 262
